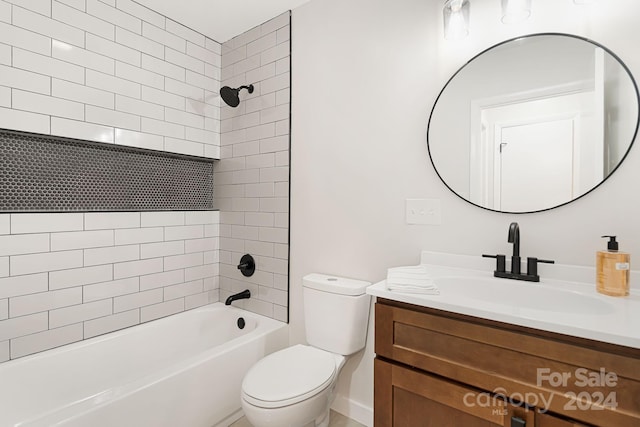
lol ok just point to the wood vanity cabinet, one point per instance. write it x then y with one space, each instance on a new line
437 369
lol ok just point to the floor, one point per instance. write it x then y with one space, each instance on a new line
337 420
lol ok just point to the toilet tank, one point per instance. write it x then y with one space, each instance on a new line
336 313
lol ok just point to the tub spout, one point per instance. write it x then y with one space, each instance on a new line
241 295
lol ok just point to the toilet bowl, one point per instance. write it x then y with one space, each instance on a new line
291 388
295 387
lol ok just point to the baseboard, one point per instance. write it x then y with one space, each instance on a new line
230 419
354 410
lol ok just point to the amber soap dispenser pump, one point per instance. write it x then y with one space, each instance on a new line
612 270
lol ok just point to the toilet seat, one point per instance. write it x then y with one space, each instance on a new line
288 376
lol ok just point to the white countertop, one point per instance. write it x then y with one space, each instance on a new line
561 306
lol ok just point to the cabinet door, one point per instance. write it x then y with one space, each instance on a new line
409 398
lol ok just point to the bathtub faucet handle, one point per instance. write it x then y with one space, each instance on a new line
247 265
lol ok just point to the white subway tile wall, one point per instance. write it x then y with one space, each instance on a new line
66 277
113 72
251 181
116 72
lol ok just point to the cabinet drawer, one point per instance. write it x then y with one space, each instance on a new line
571 377
548 420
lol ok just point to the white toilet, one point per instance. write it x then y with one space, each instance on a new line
294 387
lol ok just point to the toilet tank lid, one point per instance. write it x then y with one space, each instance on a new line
335 284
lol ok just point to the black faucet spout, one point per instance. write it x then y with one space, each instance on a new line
240 295
514 237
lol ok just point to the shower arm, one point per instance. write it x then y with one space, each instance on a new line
248 88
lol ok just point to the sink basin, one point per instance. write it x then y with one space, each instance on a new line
523 295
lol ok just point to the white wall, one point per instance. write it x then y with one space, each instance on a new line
109 71
365 76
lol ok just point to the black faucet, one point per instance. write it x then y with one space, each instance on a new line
514 237
532 263
240 295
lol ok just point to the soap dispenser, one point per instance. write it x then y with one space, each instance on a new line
612 270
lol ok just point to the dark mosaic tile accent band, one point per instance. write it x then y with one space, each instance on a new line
42 173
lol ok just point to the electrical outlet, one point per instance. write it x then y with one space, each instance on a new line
423 211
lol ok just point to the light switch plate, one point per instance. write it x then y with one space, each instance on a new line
423 211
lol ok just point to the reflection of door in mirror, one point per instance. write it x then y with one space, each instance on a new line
536 151
534 162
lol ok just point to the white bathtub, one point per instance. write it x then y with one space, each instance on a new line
181 371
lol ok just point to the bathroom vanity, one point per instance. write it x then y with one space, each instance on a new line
495 351
475 356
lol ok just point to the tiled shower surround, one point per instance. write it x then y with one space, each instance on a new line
65 277
109 71
251 181
113 71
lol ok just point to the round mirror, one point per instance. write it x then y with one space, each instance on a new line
533 123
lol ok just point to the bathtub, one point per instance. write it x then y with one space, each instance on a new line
180 371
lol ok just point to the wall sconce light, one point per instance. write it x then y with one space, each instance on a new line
514 11
456 19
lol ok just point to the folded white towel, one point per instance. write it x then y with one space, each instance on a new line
411 279
414 289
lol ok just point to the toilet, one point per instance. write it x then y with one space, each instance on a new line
294 387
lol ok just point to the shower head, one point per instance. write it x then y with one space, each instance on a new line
230 95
